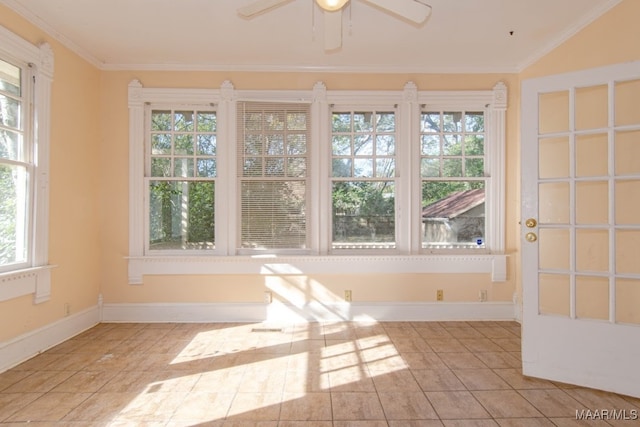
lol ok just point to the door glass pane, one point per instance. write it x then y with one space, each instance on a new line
628 301
591 106
553 294
592 250
592 297
627 202
592 155
592 198
627 250
554 249
554 157
627 146
626 103
553 200
553 112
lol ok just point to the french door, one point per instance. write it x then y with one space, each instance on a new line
581 228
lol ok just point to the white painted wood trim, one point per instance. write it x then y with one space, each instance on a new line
492 264
24 347
315 311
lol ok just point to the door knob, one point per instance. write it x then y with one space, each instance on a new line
531 237
531 223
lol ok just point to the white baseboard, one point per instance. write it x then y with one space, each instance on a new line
277 311
24 347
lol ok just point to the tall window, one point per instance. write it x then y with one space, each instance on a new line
16 168
363 147
182 172
273 147
453 179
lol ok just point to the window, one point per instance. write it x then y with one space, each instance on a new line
453 179
273 145
363 173
181 174
25 86
255 182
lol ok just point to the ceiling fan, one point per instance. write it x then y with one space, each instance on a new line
412 10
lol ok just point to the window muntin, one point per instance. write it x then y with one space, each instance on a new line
454 181
16 168
363 183
181 176
273 173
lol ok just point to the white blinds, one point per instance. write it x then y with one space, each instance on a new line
273 146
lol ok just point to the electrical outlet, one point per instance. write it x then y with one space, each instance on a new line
268 297
439 295
483 295
347 295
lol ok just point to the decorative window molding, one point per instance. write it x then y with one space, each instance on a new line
38 67
406 257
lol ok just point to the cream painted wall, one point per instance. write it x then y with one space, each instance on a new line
246 288
74 233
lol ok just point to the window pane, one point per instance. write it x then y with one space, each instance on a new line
297 121
161 120
474 122
297 167
430 145
452 145
430 168
341 145
161 143
275 145
386 122
161 166
363 145
207 145
363 168
385 168
10 78
363 122
452 122
474 167
363 214
474 145
11 145
181 215
385 145
273 215
207 122
453 214
296 144
207 168
342 168
341 122
183 121
430 122
183 167
184 144
13 214
253 145
452 167
10 112
274 166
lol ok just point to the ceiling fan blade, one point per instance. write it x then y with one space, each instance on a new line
413 10
332 29
260 6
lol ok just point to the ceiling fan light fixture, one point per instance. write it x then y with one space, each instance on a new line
331 5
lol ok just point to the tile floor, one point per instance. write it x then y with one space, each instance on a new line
296 375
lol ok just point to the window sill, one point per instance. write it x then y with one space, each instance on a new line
33 280
344 264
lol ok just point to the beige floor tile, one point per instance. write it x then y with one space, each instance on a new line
11 377
306 407
495 332
129 382
438 380
200 407
506 404
401 380
462 361
430 331
49 407
151 407
424 361
465 332
553 403
360 423
499 360
354 379
306 381
524 422
406 406
411 345
39 362
572 422
596 399
446 345
85 382
101 407
73 362
305 424
508 344
515 379
480 379
470 423
415 423
480 345
39 382
255 407
261 380
222 380
356 406
388 364
460 405
10 403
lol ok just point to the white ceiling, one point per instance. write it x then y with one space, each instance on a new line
460 35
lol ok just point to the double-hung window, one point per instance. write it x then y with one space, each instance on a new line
25 87
272 151
452 170
363 183
181 179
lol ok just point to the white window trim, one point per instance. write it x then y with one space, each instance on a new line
405 259
35 279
